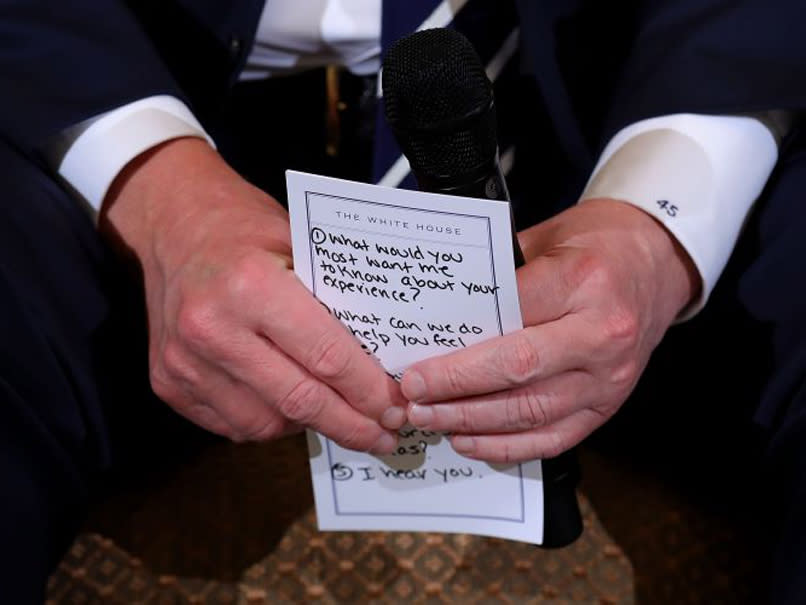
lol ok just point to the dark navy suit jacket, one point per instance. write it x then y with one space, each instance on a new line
597 67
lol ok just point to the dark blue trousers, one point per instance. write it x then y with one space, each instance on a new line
773 290
72 368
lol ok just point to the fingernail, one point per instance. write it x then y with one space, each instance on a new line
421 415
385 445
413 386
463 445
393 418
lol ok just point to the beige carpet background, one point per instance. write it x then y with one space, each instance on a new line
234 524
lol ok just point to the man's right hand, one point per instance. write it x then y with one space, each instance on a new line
237 344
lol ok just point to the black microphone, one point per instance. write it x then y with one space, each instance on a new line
440 106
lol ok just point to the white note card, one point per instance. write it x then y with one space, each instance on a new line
412 275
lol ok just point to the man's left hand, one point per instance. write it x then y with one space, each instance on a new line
602 283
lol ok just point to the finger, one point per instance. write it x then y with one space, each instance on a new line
537 405
249 416
211 398
545 442
302 398
173 376
281 384
503 363
304 330
202 415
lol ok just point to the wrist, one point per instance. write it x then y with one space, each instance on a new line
170 199
679 281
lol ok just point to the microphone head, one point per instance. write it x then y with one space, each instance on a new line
439 103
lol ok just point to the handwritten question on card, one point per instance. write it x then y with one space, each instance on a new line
411 275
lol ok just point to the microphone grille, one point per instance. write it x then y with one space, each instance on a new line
439 102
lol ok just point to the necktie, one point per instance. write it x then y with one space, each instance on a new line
491 25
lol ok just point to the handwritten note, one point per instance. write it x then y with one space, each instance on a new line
412 275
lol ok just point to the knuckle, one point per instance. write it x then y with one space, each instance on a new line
526 409
622 326
624 375
357 438
173 363
507 453
467 420
158 378
588 268
303 403
196 321
204 416
603 412
162 386
328 358
247 273
519 362
271 428
555 446
454 378
169 372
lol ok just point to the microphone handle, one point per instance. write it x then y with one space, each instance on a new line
489 184
562 519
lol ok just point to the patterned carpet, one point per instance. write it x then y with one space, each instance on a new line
235 524
309 566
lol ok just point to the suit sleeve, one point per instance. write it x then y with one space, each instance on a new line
64 62
715 56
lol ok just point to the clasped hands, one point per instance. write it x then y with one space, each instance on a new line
239 346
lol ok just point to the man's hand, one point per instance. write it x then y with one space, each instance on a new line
602 283
237 344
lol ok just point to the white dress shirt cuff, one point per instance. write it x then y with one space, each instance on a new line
698 175
110 141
